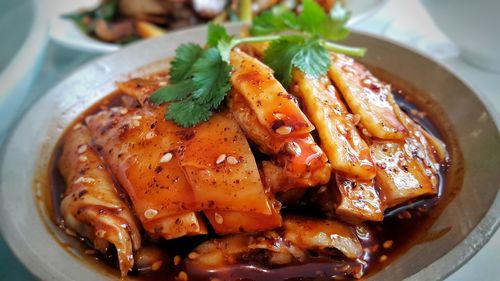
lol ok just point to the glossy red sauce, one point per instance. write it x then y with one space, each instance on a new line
382 241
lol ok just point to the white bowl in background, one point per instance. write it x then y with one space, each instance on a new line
473 25
23 29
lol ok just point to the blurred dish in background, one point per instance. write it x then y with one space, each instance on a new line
104 26
23 23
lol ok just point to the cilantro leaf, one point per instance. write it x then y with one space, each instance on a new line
185 56
107 10
279 57
187 113
82 19
216 33
312 17
201 77
173 92
312 58
211 78
334 28
277 19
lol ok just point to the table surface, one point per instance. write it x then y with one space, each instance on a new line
404 21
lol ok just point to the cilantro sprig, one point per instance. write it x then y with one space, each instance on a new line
200 77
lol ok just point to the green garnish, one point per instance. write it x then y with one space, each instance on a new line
200 76
84 19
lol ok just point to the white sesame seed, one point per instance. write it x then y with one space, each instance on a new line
100 233
284 130
166 157
193 255
156 265
150 135
177 260
232 160
220 159
137 117
82 148
182 276
279 115
123 111
218 218
84 180
388 244
82 158
77 126
317 149
135 123
150 213
162 84
293 148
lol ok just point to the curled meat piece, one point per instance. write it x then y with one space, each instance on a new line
142 88
366 96
92 205
292 243
142 154
322 235
270 117
273 106
223 174
219 167
297 162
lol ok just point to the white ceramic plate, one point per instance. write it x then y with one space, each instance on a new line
469 219
23 30
66 33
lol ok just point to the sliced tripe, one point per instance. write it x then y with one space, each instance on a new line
221 168
366 96
436 149
142 152
178 225
298 162
357 200
226 222
273 106
142 88
233 185
321 234
92 205
340 140
290 244
401 176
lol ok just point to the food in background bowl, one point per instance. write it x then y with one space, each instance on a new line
312 170
123 21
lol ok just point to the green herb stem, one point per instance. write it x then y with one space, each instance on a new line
256 39
246 11
350 51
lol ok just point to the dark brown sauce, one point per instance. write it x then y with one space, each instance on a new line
383 242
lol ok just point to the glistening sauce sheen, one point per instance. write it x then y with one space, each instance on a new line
383 241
